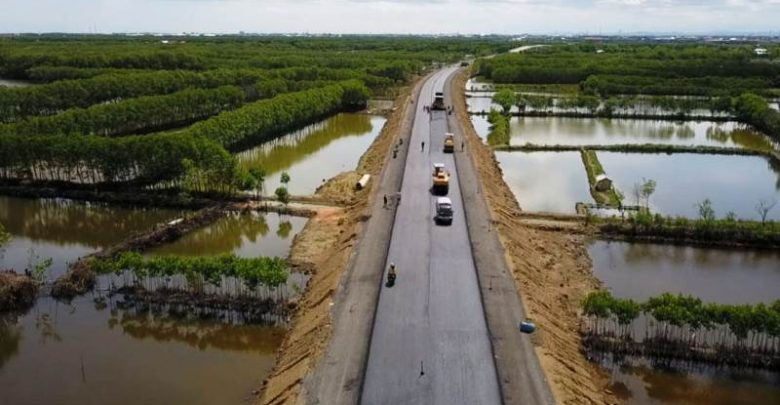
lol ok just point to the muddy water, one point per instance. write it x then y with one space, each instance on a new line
732 183
546 181
602 131
729 276
77 354
637 382
65 230
247 234
315 153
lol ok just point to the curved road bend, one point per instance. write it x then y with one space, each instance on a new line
430 343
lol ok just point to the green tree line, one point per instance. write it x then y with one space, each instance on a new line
686 320
267 119
138 160
133 116
153 271
48 99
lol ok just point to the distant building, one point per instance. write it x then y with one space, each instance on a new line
761 51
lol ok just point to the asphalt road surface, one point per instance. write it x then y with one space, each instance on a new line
430 342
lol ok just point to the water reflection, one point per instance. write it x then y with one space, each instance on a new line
317 152
65 230
604 131
85 354
644 382
545 181
732 183
728 276
246 234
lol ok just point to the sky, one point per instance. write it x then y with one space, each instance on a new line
392 16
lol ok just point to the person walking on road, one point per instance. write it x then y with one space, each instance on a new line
462 146
422 149
385 204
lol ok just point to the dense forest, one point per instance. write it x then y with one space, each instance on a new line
609 69
153 112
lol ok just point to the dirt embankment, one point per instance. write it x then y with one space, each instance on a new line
552 271
323 249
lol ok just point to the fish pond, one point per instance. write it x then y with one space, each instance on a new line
315 153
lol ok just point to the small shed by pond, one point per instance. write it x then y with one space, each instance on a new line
603 183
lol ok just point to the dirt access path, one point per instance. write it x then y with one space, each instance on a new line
552 272
325 247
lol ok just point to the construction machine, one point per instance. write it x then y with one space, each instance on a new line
441 179
449 142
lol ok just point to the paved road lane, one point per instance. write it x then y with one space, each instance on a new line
430 341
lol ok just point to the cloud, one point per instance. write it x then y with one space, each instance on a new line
389 16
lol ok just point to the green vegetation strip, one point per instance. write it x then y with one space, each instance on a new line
637 148
593 168
499 128
710 231
253 272
48 99
133 115
684 321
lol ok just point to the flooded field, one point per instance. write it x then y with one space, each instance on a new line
85 353
728 276
247 234
603 131
326 148
732 183
546 181
65 230
683 181
645 383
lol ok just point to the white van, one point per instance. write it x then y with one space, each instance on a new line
443 211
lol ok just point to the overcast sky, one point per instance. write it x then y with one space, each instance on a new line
391 16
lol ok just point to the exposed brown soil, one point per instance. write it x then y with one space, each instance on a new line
323 248
552 271
17 291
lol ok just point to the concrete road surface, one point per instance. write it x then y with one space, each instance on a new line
430 343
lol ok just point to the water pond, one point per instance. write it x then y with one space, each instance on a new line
732 183
65 230
245 234
729 276
546 181
315 153
88 353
